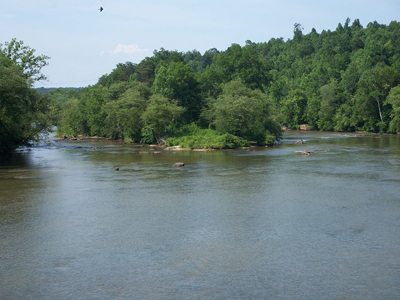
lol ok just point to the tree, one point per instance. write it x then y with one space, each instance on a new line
123 115
16 53
330 102
209 57
297 31
311 112
71 119
166 57
22 109
293 108
245 113
177 82
122 72
145 71
394 100
373 88
243 63
159 118
94 100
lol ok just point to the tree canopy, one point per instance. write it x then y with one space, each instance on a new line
343 80
23 111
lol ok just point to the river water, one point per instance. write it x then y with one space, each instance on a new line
258 223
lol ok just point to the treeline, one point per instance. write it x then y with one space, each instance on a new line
43 90
342 80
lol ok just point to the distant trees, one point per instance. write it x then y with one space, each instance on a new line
345 80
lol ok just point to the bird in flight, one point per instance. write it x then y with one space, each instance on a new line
100 9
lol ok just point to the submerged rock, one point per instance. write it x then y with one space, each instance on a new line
178 164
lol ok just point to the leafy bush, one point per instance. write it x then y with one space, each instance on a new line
206 139
269 140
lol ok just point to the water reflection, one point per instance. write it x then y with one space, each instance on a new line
257 223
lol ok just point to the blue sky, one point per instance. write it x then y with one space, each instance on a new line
85 44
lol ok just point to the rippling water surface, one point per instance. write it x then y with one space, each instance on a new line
259 223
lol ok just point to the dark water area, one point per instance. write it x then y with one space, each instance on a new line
258 223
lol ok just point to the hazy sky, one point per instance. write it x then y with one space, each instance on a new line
84 43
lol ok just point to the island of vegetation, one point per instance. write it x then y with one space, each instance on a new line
342 80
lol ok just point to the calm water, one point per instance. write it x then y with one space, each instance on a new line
245 224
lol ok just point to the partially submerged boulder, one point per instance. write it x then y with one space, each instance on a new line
306 152
304 127
178 164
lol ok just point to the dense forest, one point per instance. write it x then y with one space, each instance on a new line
342 80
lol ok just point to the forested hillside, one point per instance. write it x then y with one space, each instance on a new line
342 80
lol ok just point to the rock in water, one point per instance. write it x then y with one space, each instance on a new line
178 164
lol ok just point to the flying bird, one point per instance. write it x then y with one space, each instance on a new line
100 9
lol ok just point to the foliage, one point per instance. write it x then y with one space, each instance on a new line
22 109
160 117
243 112
71 120
16 53
196 138
293 108
177 82
244 63
393 99
122 72
123 115
342 80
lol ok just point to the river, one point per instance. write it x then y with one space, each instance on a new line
258 223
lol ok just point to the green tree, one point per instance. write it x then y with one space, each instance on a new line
243 63
373 88
312 110
145 71
177 82
22 109
16 53
94 100
245 113
163 56
159 119
123 116
330 102
393 99
71 119
122 72
293 108
208 57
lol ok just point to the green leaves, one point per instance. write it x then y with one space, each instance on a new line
243 112
333 80
22 110
160 116
177 82
24 57
243 63
393 99
293 108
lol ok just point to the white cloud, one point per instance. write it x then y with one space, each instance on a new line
125 49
